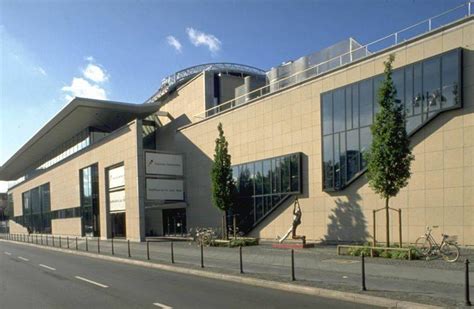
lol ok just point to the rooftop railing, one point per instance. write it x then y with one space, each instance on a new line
457 13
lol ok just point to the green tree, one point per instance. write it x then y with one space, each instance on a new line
222 183
389 157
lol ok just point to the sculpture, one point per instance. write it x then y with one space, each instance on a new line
296 222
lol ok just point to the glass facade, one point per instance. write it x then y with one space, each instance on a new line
262 185
425 89
36 209
89 180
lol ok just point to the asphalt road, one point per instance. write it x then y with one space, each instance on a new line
37 278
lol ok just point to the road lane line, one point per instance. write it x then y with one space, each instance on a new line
7 253
22 258
93 282
47 267
162 306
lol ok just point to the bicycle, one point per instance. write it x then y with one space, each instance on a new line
427 246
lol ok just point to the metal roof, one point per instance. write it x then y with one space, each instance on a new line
79 114
174 80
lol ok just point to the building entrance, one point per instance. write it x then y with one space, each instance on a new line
174 221
118 224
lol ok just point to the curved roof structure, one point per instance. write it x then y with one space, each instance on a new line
174 80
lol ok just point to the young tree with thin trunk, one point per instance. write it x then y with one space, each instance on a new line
389 158
222 183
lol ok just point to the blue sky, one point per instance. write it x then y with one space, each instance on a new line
121 49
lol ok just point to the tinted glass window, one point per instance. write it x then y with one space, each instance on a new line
365 141
409 98
328 161
450 79
349 117
377 83
352 153
424 89
355 105
275 178
365 102
432 84
339 108
398 81
327 113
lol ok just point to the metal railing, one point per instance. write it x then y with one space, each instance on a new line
457 13
176 77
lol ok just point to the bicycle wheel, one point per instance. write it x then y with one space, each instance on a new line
423 245
450 252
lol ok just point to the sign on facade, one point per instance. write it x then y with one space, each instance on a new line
117 201
117 177
163 164
165 189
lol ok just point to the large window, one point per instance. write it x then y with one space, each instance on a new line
262 185
36 209
425 89
90 200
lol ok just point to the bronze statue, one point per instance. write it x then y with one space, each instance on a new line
296 222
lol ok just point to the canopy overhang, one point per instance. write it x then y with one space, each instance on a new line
76 116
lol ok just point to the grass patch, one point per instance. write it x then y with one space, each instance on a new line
231 243
393 253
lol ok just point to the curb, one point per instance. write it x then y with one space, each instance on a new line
287 287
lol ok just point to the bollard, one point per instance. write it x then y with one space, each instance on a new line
77 248
46 240
87 245
113 253
147 250
128 241
53 239
468 299
36 238
293 265
60 241
41 239
363 272
172 253
67 241
241 265
98 245
202 256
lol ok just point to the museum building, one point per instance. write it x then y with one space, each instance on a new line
299 130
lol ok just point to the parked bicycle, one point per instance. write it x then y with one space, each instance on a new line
448 248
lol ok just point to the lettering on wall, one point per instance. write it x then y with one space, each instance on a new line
165 189
117 201
163 164
117 177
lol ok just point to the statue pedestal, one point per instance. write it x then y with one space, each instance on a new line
292 244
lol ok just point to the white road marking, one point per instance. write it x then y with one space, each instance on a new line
47 267
22 258
7 253
93 282
344 277
162 306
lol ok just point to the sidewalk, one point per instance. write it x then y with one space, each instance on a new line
432 282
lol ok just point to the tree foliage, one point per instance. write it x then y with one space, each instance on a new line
222 183
389 157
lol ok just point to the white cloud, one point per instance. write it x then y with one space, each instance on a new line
89 58
41 71
95 73
200 38
82 88
172 41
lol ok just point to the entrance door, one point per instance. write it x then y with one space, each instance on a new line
118 224
174 221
